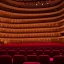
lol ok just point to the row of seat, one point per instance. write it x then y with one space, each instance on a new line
20 59
33 5
29 48
51 53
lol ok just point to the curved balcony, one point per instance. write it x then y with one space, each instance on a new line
32 4
29 40
37 24
35 10
40 20
28 21
33 30
30 16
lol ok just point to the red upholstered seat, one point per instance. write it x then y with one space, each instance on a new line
58 60
5 59
39 52
55 52
18 59
31 63
11 52
32 58
3 52
22 52
44 59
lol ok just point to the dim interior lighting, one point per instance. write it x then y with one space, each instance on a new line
5 42
42 4
36 4
47 3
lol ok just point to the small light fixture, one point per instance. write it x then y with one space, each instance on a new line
36 4
42 3
47 3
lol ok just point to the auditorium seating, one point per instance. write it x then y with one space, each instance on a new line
31 32
42 56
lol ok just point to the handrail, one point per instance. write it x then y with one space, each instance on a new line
32 30
29 35
34 25
41 25
30 20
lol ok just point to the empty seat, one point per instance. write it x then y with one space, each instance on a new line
18 59
30 52
22 52
39 52
44 59
3 52
31 63
55 52
5 59
11 52
58 60
32 58
47 52
63 52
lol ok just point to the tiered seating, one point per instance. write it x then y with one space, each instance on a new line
40 23
18 55
33 51
21 59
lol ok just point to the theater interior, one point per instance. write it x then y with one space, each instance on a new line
31 31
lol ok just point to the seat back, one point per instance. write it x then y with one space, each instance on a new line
44 59
31 63
58 59
3 52
32 58
18 59
5 59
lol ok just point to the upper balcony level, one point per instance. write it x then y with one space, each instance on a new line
30 4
